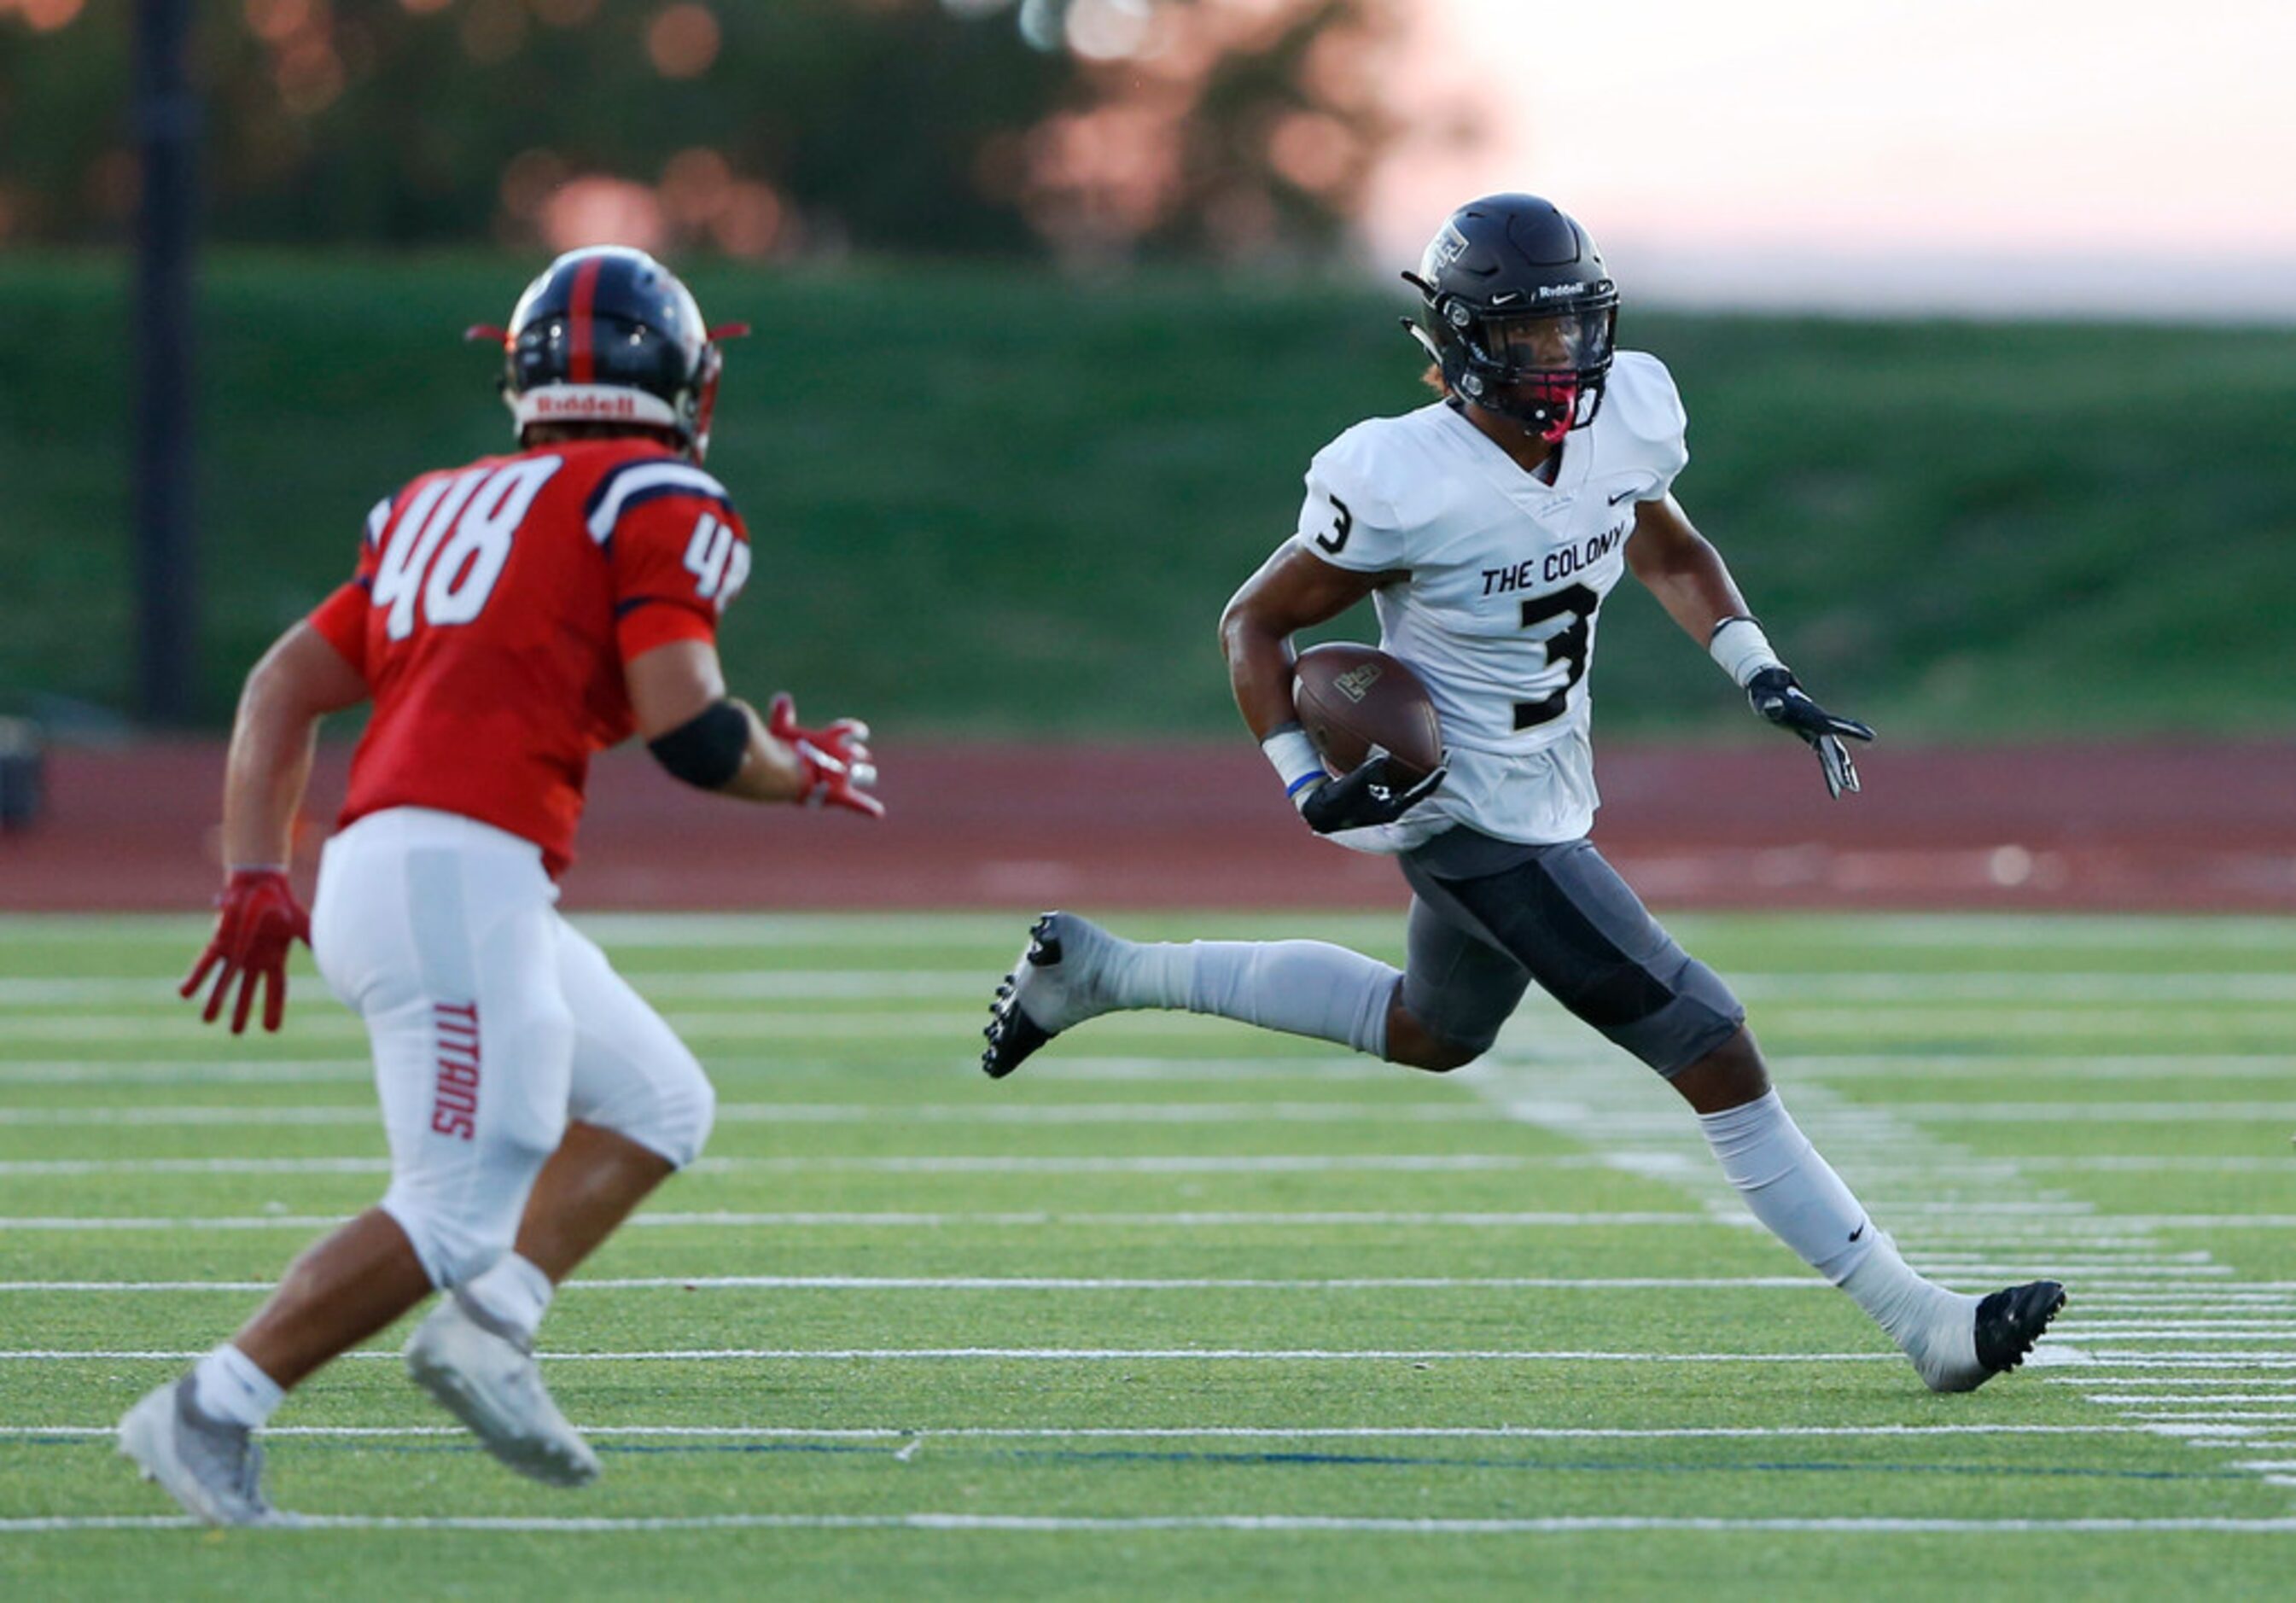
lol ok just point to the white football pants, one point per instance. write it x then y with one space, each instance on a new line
494 1021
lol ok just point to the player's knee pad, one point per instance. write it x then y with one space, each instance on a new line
670 1112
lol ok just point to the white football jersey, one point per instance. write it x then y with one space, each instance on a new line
1507 575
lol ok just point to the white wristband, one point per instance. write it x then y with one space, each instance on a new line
1740 649
1292 755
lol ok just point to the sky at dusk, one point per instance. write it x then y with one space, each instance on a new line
1985 154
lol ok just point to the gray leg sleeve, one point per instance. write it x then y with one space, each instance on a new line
1300 987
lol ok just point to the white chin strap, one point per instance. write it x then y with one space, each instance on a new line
591 403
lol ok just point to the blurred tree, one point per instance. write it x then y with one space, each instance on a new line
1094 128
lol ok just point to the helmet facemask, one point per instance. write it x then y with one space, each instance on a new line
1543 368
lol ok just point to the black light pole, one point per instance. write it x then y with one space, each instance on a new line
166 138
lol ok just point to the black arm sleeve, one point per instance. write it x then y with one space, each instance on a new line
706 750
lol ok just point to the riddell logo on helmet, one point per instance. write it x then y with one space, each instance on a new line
1548 292
1356 682
545 405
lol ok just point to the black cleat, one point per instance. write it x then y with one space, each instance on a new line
1011 1034
2009 1323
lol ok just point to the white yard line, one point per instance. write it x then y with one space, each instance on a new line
1550 1526
1181 1433
903 1220
1770 988
1029 1283
1304 1163
1914 1068
1053 1355
1400 1111
1225 1113
2088 1112
185 1071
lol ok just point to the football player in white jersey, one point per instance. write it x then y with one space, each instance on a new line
1488 528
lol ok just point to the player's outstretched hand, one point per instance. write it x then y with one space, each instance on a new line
838 772
1778 697
256 920
1372 794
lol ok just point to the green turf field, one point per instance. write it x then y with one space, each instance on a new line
1180 1311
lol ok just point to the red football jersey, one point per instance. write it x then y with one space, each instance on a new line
493 609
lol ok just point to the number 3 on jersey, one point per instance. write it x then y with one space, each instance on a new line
1575 604
452 542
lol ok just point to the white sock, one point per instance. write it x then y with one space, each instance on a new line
1300 987
1789 1187
227 1385
1794 1191
512 1292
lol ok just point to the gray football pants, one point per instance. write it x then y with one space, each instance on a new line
1489 916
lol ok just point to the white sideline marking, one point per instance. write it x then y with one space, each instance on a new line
1555 1524
1029 1282
1063 1355
1182 1433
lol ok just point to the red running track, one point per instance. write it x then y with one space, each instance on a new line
2148 827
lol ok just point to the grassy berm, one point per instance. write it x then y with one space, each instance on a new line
1005 502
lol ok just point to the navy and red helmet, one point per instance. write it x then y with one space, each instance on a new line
607 334
1518 312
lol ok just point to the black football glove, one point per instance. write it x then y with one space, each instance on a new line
1370 795
1778 697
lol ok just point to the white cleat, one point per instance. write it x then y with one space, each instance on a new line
212 1466
1057 982
487 1378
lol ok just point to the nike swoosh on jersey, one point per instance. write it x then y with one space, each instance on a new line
1623 494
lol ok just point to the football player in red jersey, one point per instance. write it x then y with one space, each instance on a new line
507 619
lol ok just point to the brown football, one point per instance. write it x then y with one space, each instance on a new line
1351 698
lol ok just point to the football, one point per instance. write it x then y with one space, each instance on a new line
1351 698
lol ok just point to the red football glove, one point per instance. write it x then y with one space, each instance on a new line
257 921
838 771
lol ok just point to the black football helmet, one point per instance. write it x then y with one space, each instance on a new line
1518 312
609 334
